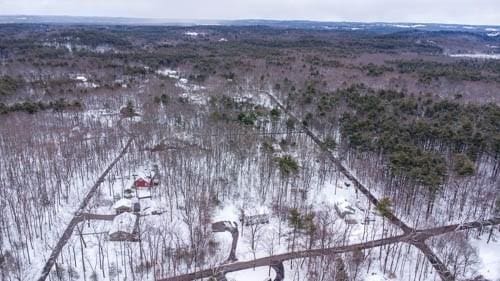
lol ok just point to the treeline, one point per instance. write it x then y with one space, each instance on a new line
8 85
467 70
32 107
228 109
374 70
93 37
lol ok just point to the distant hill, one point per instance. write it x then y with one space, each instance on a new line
6 19
382 27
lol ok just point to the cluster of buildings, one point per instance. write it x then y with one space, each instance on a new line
125 226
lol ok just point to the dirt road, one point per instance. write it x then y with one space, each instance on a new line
437 264
79 215
416 238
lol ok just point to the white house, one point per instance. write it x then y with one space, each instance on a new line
123 205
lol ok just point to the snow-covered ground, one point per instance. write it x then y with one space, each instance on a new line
69 154
489 254
211 179
476 56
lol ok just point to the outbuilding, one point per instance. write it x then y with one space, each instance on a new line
125 227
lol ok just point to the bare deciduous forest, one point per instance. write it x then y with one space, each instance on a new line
248 153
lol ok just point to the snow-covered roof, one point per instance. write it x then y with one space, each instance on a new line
191 33
124 222
168 73
81 78
123 203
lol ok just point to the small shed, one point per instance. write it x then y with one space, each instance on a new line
155 181
141 183
128 193
123 205
222 226
255 219
124 228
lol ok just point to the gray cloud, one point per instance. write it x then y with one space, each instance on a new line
443 11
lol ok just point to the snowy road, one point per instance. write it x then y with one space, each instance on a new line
416 238
79 216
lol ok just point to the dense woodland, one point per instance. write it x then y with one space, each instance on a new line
419 128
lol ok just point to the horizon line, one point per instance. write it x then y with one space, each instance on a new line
173 20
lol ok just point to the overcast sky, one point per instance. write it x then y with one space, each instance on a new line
442 11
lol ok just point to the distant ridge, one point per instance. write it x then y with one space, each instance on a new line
488 30
6 19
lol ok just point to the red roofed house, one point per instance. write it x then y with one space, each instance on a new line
142 183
